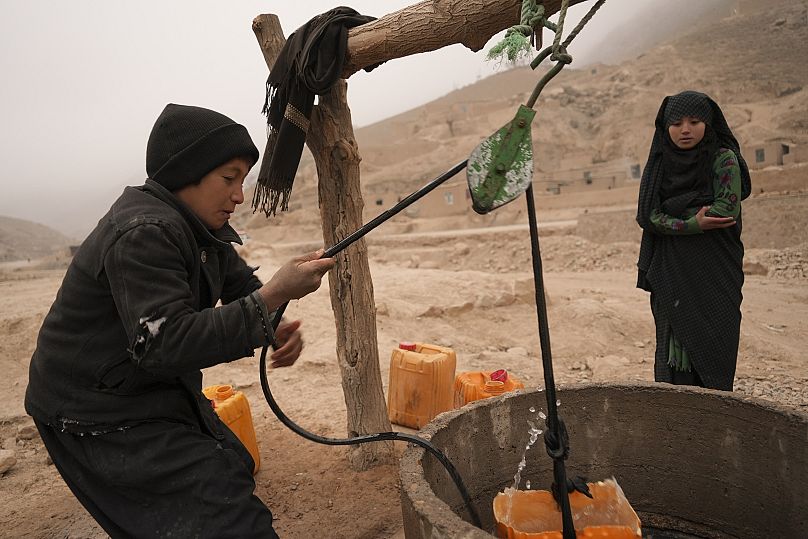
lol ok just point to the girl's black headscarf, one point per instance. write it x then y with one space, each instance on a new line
675 179
672 174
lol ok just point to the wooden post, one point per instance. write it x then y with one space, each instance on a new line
333 145
421 27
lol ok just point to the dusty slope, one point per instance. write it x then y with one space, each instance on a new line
467 289
21 239
471 290
747 61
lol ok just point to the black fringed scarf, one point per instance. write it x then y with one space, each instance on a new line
310 62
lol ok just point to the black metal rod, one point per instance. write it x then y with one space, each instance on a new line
387 214
559 471
379 219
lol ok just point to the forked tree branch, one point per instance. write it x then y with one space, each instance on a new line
430 25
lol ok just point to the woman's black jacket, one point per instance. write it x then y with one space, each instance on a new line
134 320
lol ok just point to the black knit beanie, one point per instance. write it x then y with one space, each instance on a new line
188 142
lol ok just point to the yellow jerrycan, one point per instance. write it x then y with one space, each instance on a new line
234 411
476 385
420 384
534 514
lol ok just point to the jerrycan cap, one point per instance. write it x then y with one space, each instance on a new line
407 346
224 392
499 376
495 387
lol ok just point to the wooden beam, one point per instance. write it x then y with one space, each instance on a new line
430 25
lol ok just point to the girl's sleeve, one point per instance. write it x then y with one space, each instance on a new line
665 224
727 186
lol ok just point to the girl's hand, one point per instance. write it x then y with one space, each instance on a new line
290 344
708 223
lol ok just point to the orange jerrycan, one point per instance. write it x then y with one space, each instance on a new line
421 378
534 514
234 411
476 385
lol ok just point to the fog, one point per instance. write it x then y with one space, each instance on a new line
84 81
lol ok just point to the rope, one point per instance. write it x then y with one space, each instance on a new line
560 25
558 52
532 20
594 9
516 42
532 17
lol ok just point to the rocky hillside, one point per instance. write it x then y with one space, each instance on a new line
21 240
749 58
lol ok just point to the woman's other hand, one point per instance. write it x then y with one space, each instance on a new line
709 223
290 343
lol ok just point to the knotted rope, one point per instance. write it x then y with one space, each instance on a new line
519 38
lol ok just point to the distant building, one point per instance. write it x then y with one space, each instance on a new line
796 154
579 173
453 198
766 155
448 199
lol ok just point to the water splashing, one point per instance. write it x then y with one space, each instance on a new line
533 432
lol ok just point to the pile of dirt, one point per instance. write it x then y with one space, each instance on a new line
789 263
501 250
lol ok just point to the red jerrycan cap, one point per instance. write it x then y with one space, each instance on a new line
407 346
500 376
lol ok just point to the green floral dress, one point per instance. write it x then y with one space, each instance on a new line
727 189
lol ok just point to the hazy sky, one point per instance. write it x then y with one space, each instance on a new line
83 82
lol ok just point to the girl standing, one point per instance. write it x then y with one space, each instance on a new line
691 256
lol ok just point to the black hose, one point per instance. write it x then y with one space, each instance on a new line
379 437
382 436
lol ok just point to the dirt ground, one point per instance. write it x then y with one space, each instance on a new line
469 289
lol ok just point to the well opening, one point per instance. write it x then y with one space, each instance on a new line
692 462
